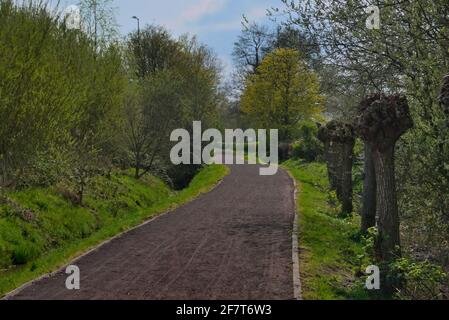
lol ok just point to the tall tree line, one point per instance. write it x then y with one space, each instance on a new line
175 82
75 103
369 71
60 95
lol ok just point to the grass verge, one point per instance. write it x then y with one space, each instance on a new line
41 231
329 250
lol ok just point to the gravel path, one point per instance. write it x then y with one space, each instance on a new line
232 243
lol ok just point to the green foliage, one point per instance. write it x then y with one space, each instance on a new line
281 93
75 105
60 96
24 253
369 246
98 20
335 206
84 105
358 172
176 83
307 147
416 280
293 38
363 61
203 181
5 255
151 50
329 249
422 280
36 95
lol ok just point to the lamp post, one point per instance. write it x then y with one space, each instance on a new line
138 25
141 72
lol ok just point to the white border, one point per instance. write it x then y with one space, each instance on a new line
295 246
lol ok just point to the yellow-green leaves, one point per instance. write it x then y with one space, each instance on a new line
282 92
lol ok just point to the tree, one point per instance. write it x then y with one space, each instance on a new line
199 73
151 50
307 146
282 93
176 82
98 21
444 96
288 37
60 101
408 54
153 108
369 197
339 140
163 112
42 86
135 134
382 121
252 46
93 137
199 70
369 192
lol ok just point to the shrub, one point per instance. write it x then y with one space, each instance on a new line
415 280
25 252
180 176
5 256
67 194
421 280
46 169
307 147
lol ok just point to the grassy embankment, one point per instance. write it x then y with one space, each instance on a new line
40 230
328 249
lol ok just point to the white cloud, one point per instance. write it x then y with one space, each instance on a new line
200 9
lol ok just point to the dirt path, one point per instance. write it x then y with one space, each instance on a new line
232 243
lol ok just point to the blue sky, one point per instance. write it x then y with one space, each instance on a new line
215 22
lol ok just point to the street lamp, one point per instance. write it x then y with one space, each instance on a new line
138 25
138 40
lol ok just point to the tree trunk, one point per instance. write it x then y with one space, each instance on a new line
332 161
137 171
444 97
137 165
339 141
369 192
346 162
81 194
387 207
382 120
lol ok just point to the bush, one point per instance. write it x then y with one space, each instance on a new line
25 252
307 147
180 176
421 280
46 169
5 256
285 151
67 194
415 280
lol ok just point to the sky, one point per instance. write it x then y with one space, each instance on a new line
216 23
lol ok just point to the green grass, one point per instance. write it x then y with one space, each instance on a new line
59 231
328 247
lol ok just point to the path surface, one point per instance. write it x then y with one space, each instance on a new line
232 243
